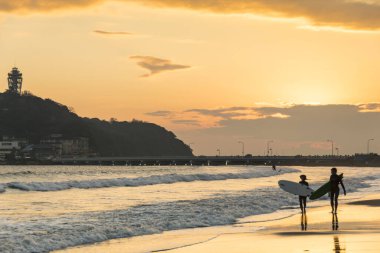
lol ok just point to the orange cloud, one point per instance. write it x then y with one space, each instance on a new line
156 65
26 6
357 15
102 32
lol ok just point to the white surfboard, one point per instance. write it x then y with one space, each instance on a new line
295 188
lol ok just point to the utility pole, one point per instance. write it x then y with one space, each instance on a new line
268 147
368 142
332 147
243 147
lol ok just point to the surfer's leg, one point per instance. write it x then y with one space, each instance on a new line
301 204
304 204
336 201
332 200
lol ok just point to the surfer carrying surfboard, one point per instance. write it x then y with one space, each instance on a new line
335 180
302 199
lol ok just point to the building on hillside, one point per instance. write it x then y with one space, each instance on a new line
15 81
38 152
78 146
11 147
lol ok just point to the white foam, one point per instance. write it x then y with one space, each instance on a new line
50 233
142 181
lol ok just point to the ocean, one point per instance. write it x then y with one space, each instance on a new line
46 208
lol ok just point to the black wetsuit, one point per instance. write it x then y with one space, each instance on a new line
303 198
335 180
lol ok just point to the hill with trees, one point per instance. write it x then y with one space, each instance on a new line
33 118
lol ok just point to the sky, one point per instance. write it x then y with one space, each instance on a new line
291 74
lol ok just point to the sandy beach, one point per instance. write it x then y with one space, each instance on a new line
356 228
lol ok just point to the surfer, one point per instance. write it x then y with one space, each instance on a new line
335 180
302 199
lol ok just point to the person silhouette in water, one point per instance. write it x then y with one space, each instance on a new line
335 181
303 198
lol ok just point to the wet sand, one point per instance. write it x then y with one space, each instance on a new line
370 202
356 228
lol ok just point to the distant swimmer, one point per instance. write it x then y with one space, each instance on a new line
335 180
274 167
302 199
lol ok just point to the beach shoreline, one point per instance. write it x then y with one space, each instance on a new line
356 221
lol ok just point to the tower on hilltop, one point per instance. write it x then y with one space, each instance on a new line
15 81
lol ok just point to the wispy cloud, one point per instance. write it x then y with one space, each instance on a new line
348 14
192 122
103 32
159 113
220 116
370 107
156 65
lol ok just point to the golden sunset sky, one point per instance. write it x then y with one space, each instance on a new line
214 72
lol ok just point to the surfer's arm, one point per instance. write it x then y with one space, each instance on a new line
344 188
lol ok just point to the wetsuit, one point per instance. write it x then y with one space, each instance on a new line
335 180
302 199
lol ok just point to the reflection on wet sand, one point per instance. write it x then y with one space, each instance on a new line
335 221
337 247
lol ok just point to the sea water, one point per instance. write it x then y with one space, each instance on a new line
45 208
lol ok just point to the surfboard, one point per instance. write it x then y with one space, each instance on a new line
323 190
295 188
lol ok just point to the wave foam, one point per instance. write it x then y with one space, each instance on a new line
51 233
141 181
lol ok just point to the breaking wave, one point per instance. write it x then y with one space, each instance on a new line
141 181
51 233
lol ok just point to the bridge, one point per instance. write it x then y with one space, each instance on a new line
356 160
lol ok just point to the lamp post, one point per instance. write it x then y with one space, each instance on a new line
368 142
332 147
268 147
243 147
337 151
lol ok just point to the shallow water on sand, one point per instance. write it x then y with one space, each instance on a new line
51 207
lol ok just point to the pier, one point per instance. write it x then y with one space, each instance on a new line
355 160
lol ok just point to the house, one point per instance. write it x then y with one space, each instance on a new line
11 146
78 146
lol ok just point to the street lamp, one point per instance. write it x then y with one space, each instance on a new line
332 146
368 142
268 148
243 147
337 151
